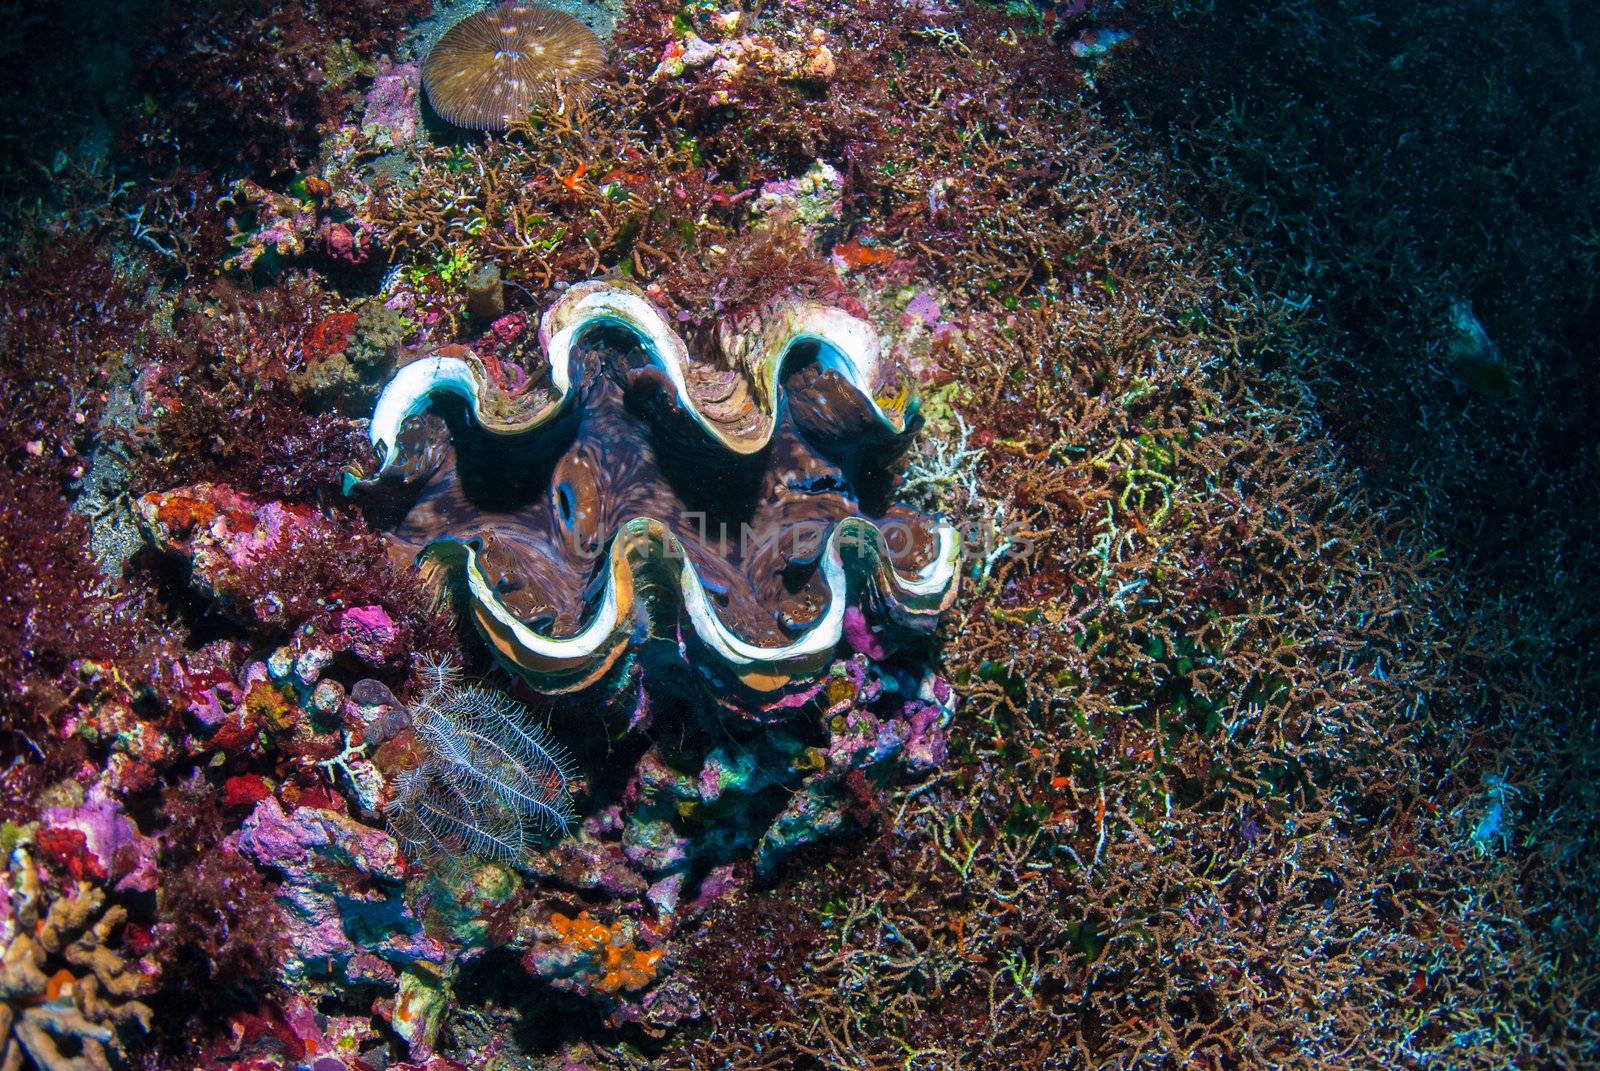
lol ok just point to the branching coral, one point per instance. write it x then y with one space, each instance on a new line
1246 775
571 193
64 989
1203 815
1139 718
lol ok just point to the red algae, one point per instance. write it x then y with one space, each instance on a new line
330 335
241 83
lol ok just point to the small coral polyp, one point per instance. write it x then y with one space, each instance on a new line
619 490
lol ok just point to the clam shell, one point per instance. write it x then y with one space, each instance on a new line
647 585
645 556
737 409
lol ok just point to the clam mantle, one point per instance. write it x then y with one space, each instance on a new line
617 490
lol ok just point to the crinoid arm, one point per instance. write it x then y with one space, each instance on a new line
493 783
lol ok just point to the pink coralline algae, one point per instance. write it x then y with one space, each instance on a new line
343 242
112 848
271 228
227 537
392 111
815 199
292 1033
654 859
859 635
731 58
274 566
342 885
202 684
369 633
137 747
925 307
283 229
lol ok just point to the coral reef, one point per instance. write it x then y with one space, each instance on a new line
277 566
341 882
391 114
568 950
697 819
65 991
1247 347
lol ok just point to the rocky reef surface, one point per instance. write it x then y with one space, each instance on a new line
872 534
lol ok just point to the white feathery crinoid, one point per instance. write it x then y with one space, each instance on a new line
439 674
492 782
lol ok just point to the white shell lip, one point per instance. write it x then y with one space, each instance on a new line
845 344
562 664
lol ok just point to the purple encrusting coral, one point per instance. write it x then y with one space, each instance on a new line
343 884
113 848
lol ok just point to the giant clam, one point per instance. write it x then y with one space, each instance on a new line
625 491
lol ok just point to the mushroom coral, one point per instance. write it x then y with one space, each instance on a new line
619 489
490 67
